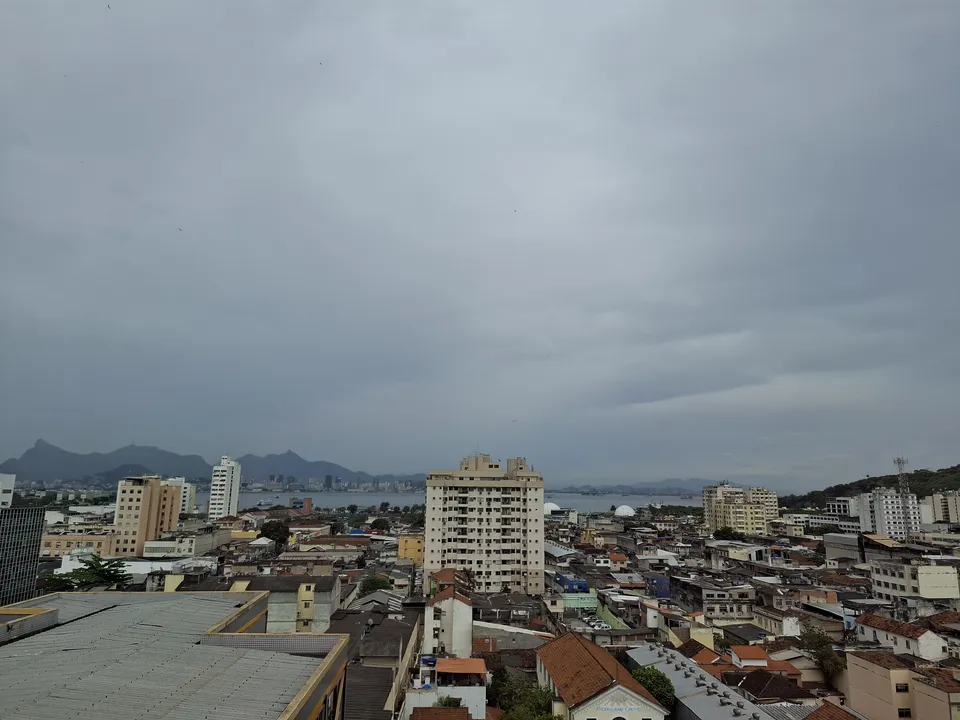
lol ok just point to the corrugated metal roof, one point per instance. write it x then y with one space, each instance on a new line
136 657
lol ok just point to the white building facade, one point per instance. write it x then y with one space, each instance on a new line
888 512
488 521
224 489
6 489
746 510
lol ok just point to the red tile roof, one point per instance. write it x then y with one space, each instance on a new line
891 626
881 658
749 652
448 593
581 670
829 711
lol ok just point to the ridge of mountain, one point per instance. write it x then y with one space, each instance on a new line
45 462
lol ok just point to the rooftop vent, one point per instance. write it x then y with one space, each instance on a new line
701 683
724 702
726 693
737 711
740 703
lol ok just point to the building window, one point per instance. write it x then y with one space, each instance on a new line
904 712
903 687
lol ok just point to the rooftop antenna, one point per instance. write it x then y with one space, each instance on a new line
902 482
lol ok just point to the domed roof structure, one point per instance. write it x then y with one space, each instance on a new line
624 511
548 508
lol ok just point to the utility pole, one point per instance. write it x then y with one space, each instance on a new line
904 484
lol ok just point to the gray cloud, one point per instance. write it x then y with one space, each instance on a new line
666 240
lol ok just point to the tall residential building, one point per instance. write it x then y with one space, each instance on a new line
146 508
941 507
746 510
487 521
224 489
886 511
188 494
6 490
21 531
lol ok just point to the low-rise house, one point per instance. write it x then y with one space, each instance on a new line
618 562
63 542
188 543
764 688
698 695
588 682
297 603
745 634
448 624
879 685
777 623
464 679
379 639
901 637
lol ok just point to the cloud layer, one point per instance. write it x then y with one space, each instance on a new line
644 241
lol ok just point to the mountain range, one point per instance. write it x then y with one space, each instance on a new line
670 486
45 462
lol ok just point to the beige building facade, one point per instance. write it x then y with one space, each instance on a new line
745 510
146 508
102 543
488 521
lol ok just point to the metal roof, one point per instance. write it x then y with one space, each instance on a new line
135 655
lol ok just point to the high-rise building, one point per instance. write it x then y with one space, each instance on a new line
188 494
941 507
146 508
224 489
328 482
21 532
886 511
6 490
488 522
745 510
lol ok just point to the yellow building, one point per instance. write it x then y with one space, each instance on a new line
146 508
102 543
411 548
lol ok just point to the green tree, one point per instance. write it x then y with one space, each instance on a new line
337 527
821 650
613 508
352 509
276 530
97 571
361 562
380 524
396 510
721 643
726 533
657 682
59 583
372 584
406 509
447 701
384 506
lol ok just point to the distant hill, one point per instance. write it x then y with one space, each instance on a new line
922 482
45 462
289 463
670 486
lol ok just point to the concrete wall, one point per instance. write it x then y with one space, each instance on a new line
872 689
472 698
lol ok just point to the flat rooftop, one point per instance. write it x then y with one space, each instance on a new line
120 656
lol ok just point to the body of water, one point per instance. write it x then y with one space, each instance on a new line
583 503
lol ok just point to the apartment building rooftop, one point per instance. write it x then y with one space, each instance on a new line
169 656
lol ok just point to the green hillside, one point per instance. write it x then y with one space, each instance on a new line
922 482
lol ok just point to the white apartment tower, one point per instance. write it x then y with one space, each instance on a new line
746 510
887 512
489 522
224 489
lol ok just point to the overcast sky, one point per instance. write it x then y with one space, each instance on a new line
629 241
